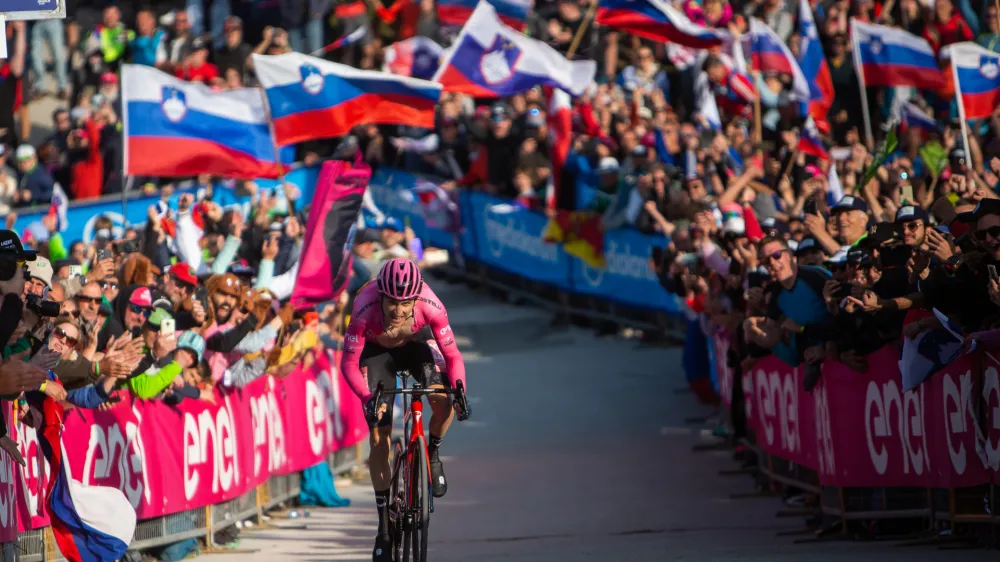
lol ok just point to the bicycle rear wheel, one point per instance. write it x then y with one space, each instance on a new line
421 502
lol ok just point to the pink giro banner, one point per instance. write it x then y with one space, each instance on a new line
169 459
862 430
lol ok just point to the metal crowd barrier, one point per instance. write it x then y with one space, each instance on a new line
39 545
557 300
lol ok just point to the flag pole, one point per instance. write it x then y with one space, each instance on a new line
961 113
274 143
859 70
583 29
125 152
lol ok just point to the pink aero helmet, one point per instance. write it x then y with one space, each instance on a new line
400 279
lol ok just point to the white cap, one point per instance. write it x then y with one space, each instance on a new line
24 152
40 269
607 164
734 225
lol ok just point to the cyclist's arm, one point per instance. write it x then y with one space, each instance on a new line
449 348
350 362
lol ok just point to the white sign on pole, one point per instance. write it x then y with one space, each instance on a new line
3 37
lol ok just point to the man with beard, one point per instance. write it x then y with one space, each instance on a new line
961 290
180 285
224 294
90 301
138 309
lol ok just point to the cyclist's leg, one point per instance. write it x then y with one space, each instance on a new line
380 367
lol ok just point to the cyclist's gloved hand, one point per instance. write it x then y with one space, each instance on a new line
461 403
372 412
462 410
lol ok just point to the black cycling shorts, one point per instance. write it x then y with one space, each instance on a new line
384 362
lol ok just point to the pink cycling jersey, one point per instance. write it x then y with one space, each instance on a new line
367 321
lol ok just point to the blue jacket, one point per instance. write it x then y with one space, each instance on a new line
39 183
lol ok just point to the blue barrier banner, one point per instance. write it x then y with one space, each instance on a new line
387 187
82 215
628 277
510 238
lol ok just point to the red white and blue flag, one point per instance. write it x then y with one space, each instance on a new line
59 206
659 21
560 121
888 57
769 53
90 523
513 13
912 117
977 79
311 98
491 60
813 63
417 57
192 130
809 141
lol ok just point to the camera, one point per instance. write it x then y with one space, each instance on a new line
42 307
128 246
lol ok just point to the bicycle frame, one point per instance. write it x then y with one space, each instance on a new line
413 429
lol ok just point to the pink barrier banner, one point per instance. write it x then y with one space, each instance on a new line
169 459
862 430
9 484
783 413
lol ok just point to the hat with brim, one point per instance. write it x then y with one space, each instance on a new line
10 243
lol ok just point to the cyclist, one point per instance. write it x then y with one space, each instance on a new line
392 320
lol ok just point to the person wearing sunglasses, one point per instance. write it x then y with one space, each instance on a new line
109 286
797 317
138 309
90 302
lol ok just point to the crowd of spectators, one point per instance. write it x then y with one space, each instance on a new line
760 236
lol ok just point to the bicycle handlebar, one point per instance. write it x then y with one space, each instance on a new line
380 391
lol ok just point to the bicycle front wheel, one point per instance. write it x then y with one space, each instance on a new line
421 502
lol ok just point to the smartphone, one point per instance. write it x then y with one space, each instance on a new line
809 207
167 327
993 272
75 271
757 279
907 194
843 291
114 399
104 254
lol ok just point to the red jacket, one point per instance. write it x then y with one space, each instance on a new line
87 176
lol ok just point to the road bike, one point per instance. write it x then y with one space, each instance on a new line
410 501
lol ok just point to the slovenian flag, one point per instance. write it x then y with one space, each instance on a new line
659 21
912 117
812 61
417 57
560 121
513 13
176 128
90 523
977 79
311 98
436 205
59 207
888 57
491 60
809 141
769 53
344 41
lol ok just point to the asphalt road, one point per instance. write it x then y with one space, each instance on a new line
577 451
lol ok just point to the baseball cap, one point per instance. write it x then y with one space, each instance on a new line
984 208
24 152
11 244
232 22
500 113
365 236
193 341
535 117
608 164
394 224
849 203
156 318
109 78
141 297
163 303
771 223
198 44
807 244
182 272
910 213
734 226
41 269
